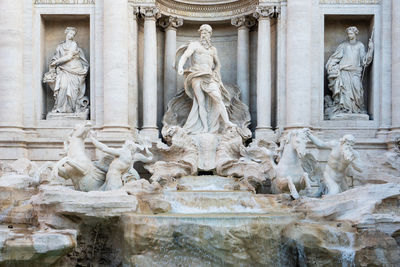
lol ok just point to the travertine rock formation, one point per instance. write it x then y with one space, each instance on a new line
202 220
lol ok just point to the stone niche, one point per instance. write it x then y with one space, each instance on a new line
53 27
335 34
224 38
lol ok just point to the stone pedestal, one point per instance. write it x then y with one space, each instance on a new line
346 116
68 116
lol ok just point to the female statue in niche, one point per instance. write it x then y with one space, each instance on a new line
66 76
345 70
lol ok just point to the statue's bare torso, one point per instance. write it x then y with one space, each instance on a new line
202 58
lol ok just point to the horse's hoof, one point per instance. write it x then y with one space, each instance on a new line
295 196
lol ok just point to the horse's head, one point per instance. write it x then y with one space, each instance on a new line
81 130
298 139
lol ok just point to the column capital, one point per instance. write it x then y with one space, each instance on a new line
150 12
171 23
264 12
243 21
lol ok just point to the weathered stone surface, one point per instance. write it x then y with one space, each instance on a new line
60 206
352 205
19 166
205 225
279 239
15 192
21 246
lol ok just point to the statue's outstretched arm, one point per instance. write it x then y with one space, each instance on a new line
104 148
188 52
318 142
143 158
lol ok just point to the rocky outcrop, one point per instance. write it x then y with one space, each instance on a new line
61 207
196 221
21 246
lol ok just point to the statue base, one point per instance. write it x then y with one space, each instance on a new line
207 145
349 117
68 116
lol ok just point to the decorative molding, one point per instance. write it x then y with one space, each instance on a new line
142 2
243 21
211 10
352 2
271 1
263 12
64 2
149 12
170 22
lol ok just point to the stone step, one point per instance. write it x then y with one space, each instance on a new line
202 202
207 183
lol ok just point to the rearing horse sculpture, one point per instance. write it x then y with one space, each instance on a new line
290 174
77 166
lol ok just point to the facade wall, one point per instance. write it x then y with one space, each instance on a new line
42 28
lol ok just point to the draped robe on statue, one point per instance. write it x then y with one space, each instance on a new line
70 84
208 80
344 70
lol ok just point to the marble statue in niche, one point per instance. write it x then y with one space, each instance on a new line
204 86
346 69
67 78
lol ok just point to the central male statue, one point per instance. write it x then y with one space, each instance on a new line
204 86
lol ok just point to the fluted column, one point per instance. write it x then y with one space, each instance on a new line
170 24
11 65
149 129
298 63
115 65
243 57
264 83
396 65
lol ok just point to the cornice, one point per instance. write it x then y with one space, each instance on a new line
351 2
205 9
